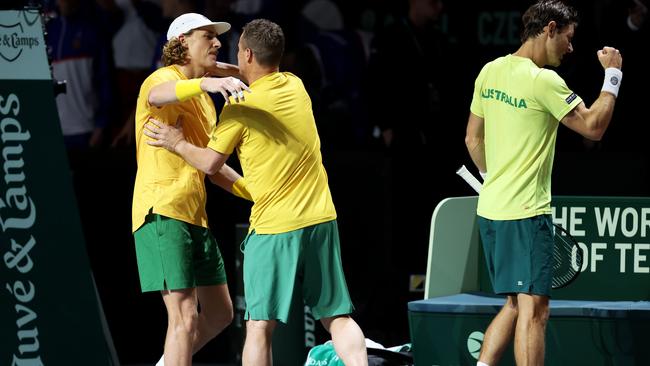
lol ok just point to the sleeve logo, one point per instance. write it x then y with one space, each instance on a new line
571 98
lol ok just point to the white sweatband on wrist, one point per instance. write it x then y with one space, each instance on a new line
612 83
483 175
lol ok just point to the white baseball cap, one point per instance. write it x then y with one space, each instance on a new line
189 21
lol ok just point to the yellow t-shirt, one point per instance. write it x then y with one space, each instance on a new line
275 136
165 183
521 105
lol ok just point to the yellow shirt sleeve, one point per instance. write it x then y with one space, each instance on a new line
240 189
552 93
477 105
229 131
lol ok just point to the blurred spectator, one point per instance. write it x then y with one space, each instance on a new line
323 15
133 49
284 12
156 17
77 37
134 41
410 124
331 60
222 9
413 37
638 13
268 9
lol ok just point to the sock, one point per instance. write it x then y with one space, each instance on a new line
162 361
481 364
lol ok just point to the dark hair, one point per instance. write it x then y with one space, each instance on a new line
541 13
266 40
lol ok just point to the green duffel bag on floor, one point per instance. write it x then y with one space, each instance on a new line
323 355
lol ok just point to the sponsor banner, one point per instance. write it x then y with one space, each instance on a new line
49 310
22 46
614 236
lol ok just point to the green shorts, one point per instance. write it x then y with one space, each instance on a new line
174 255
519 254
306 260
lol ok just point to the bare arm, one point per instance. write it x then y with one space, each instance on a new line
163 93
172 139
202 158
228 179
592 122
475 141
206 160
168 92
223 69
225 177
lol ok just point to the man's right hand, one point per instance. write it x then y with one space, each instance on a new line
225 86
610 57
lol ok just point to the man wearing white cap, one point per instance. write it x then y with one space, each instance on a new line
292 247
176 252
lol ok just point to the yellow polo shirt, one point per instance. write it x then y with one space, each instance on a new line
275 136
521 105
165 184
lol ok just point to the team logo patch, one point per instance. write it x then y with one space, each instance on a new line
613 80
571 98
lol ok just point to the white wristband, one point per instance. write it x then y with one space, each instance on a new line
612 83
483 175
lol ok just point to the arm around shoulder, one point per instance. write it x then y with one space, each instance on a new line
202 158
228 179
171 138
223 69
174 91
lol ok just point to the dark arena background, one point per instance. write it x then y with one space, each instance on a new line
391 107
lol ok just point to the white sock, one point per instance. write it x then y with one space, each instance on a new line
481 364
162 361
